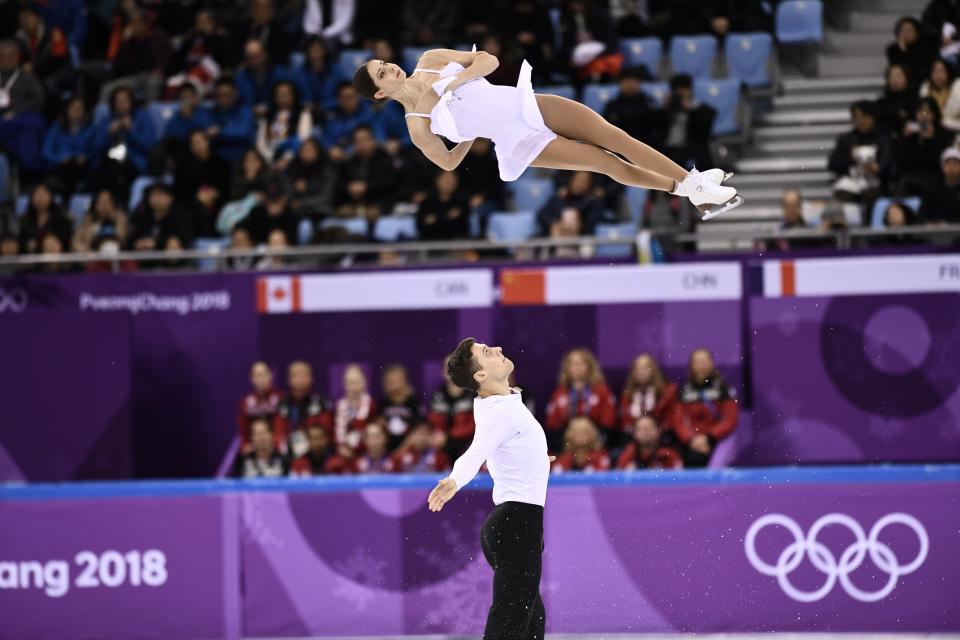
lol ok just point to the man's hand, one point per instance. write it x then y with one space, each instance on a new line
441 494
700 444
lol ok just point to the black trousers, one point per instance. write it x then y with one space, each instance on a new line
512 542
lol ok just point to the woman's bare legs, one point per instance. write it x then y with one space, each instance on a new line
575 121
563 153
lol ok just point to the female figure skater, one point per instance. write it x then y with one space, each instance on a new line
447 95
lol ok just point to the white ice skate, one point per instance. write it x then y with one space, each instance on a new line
711 198
717 176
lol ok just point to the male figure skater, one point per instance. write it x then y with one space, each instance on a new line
514 446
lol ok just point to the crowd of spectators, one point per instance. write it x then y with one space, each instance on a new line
264 130
904 145
653 423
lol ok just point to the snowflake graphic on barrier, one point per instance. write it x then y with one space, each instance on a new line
457 544
358 576
460 604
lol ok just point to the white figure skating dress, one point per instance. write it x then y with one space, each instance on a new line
509 116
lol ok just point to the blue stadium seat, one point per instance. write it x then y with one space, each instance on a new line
562 90
78 207
20 206
214 245
799 21
474 224
642 52
724 96
160 115
5 190
636 203
350 59
656 91
512 225
140 186
693 55
409 57
747 57
880 208
626 230
596 96
297 58
100 113
395 229
305 231
531 193
353 226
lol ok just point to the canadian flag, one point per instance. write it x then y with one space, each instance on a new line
278 294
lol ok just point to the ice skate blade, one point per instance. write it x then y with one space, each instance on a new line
732 204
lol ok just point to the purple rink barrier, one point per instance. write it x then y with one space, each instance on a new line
806 549
856 360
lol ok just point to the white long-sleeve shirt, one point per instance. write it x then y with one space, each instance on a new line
512 442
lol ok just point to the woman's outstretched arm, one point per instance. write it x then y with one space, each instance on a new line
433 147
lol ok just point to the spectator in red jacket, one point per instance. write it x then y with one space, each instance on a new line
301 406
646 451
421 451
264 460
647 392
375 458
581 391
707 412
322 458
399 407
451 413
262 402
354 410
582 450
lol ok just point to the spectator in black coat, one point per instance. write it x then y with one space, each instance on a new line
311 174
158 220
579 193
428 22
631 109
249 175
274 214
863 157
263 461
676 17
140 60
912 48
918 149
686 125
736 16
43 217
942 202
368 183
266 27
899 99
45 51
445 214
527 23
201 182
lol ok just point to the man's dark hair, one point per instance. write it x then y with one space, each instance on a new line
363 83
681 81
866 107
461 366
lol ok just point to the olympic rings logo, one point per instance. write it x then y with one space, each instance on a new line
823 559
14 300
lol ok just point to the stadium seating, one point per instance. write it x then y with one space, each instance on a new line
798 21
353 226
642 52
596 96
636 203
20 206
305 231
724 96
78 207
748 56
350 59
4 178
880 208
656 91
562 90
693 55
512 226
395 229
213 245
160 115
622 230
409 57
529 194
